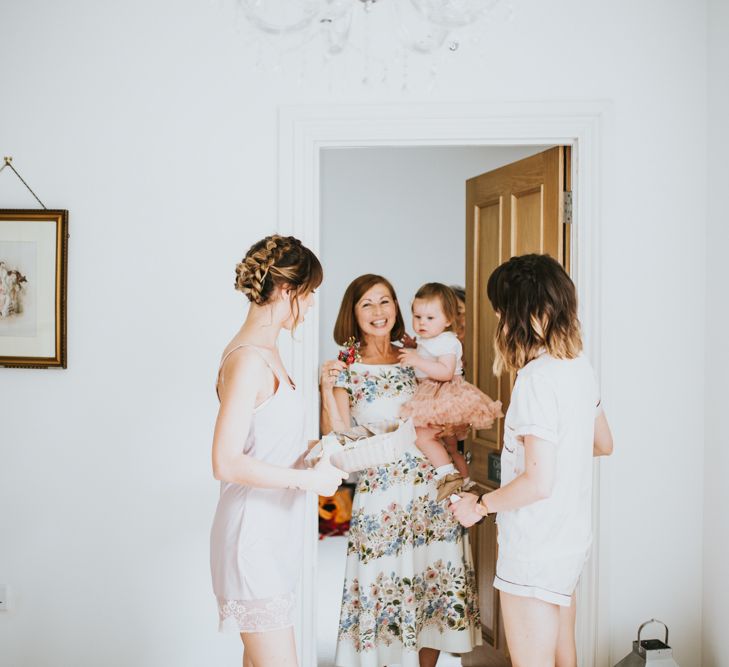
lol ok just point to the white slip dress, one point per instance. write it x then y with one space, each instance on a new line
257 534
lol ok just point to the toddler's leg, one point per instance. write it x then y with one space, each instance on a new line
451 445
432 447
448 481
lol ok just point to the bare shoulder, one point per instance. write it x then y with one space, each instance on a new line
243 363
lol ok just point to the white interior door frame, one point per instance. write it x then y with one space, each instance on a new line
304 131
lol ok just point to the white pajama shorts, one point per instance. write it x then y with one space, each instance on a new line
551 580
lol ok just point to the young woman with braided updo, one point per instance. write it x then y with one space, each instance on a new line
257 448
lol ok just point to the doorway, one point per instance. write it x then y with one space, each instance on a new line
306 133
397 212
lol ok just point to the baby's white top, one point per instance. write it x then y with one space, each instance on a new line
438 346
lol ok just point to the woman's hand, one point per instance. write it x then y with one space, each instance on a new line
324 479
330 371
465 510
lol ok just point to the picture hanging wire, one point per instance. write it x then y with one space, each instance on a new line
9 163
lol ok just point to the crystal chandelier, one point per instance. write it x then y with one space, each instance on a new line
340 26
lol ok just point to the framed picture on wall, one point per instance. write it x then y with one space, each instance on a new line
33 266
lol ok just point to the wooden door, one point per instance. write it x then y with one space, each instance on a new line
514 210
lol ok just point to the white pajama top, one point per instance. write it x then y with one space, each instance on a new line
543 546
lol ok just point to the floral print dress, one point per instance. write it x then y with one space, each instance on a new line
409 579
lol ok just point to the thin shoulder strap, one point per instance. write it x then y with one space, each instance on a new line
253 347
238 347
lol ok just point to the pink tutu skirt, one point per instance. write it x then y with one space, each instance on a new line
456 403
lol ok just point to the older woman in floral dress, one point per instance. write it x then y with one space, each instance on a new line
409 589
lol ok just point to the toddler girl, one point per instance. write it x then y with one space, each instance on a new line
553 428
444 402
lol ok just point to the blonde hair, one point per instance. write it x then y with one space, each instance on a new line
537 307
447 298
278 261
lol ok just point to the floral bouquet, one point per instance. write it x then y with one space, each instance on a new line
349 353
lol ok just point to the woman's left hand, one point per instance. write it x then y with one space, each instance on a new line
465 510
330 371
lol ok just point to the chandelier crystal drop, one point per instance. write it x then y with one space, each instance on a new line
454 13
422 26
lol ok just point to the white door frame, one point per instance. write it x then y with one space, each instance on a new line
304 131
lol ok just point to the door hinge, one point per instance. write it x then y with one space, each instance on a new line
567 207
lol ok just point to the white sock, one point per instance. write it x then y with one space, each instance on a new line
442 471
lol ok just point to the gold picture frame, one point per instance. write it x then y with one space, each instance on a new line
33 287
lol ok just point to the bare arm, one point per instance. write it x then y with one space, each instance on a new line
243 375
335 415
603 443
442 369
534 484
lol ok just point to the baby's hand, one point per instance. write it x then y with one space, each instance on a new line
409 357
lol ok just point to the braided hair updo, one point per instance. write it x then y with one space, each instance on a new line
274 262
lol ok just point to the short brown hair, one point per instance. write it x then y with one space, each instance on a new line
537 306
274 262
346 326
446 296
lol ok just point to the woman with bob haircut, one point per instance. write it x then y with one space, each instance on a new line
258 445
553 428
409 589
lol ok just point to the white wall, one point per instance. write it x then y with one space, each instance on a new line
149 122
716 489
398 212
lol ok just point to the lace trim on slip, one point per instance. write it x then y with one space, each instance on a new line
257 615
